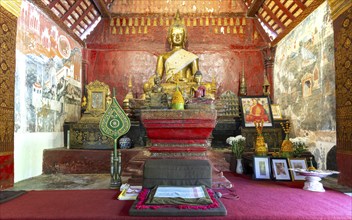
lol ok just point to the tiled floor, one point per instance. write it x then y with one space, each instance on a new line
219 159
102 181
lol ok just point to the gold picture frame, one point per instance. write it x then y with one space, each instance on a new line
96 101
276 111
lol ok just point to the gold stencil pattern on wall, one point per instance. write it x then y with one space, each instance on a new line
343 77
8 28
223 25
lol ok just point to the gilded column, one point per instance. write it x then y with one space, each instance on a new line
8 29
341 12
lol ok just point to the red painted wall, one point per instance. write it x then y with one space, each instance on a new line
115 52
6 170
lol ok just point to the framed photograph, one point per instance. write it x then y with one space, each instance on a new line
261 168
275 108
256 108
280 169
298 163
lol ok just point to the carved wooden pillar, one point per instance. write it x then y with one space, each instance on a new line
8 29
85 67
269 58
341 13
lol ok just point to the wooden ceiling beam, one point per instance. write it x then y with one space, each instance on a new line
100 5
53 3
266 23
82 16
284 9
72 8
300 4
255 6
298 20
273 16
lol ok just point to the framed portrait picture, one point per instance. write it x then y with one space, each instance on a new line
280 169
256 108
275 109
298 163
261 168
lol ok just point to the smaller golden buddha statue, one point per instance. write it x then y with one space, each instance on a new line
201 94
156 98
260 146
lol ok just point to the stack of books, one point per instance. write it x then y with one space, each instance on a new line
129 192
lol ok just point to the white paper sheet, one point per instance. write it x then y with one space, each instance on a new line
180 192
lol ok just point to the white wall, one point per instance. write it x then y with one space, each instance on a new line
29 152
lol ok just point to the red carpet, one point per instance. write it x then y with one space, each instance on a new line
257 200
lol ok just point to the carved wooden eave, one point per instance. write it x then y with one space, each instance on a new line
52 16
253 9
102 8
315 4
338 7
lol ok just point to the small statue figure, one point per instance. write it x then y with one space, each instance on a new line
157 88
199 90
156 98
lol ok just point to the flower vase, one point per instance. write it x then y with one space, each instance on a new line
239 167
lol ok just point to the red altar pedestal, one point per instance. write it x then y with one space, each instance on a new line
179 133
183 134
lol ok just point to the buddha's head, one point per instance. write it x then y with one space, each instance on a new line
177 34
198 77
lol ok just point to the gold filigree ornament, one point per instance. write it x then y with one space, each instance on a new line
260 146
287 145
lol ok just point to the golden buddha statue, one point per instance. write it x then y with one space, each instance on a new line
177 66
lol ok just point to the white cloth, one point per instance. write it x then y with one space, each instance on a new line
177 61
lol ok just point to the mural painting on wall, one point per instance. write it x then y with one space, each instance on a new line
48 74
304 63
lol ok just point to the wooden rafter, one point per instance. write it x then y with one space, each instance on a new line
253 9
298 20
300 4
53 3
72 8
82 16
284 9
274 17
266 23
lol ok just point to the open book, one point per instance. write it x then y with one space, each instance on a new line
129 192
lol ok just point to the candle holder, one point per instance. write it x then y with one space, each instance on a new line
260 146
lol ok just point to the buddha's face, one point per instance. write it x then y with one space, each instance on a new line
177 36
198 78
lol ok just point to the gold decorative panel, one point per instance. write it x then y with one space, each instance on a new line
221 25
8 28
343 62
